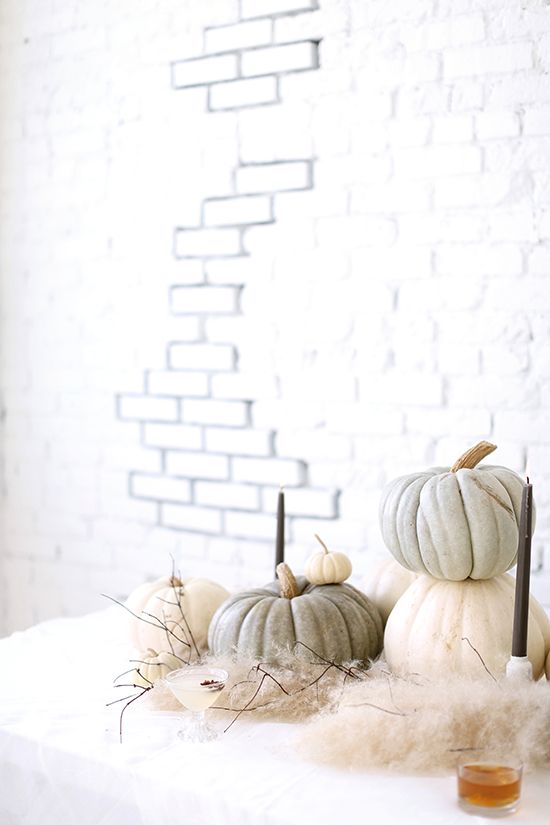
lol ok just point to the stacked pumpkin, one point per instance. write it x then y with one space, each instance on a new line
456 529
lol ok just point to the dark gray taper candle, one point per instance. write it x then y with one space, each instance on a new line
280 543
521 604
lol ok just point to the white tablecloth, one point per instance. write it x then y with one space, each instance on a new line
61 762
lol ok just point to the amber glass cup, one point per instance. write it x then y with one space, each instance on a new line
489 789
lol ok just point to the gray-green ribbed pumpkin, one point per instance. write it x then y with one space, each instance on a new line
336 621
455 522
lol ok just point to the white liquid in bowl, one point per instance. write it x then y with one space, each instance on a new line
196 689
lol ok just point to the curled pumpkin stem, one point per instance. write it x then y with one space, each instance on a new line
473 456
322 543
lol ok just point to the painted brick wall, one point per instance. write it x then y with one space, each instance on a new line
261 243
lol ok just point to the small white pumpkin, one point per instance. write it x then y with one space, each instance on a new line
327 567
385 584
427 630
157 602
151 666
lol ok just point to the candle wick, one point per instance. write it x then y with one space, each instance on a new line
528 482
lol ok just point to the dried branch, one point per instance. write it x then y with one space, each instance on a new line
480 657
315 681
162 625
137 696
184 618
378 707
157 623
116 701
247 706
124 672
342 668
131 697
260 668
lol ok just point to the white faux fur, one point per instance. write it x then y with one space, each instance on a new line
420 726
382 721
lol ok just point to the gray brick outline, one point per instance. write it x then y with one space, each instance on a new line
199 445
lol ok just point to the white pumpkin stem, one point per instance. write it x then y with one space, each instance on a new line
473 456
287 581
175 582
322 543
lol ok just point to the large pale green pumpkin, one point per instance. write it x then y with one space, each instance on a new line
336 621
455 522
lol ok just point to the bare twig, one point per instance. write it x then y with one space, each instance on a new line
137 696
162 625
480 657
116 701
315 682
342 668
184 618
157 623
260 669
131 697
378 707
124 672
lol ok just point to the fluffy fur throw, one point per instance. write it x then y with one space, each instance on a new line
290 692
421 726
371 719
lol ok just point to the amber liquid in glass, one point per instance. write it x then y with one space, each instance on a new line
489 786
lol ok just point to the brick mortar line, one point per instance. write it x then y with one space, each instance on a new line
240 77
278 14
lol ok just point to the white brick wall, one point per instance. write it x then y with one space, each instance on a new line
204 299
260 8
160 488
197 465
252 243
239 36
240 442
290 58
230 413
274 177
207 242
205 70
228 496
252 92
201 356
231 211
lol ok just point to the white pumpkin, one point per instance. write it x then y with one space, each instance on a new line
327 567
385 584
152 666
427 630
199 600
455 522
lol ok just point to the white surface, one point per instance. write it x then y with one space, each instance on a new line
61 763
